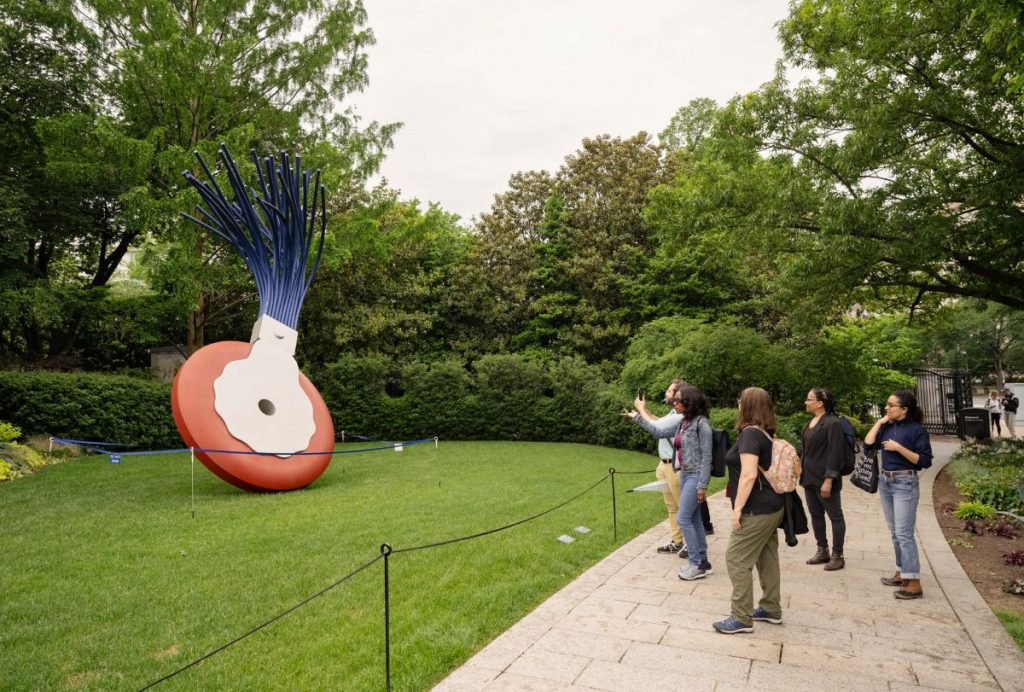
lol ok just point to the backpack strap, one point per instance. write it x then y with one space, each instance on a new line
758 464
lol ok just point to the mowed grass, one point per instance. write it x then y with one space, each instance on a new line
1014 623
109 583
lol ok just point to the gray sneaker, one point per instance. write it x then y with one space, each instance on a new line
692 572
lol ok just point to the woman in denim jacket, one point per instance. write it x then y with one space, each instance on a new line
693 447
906 449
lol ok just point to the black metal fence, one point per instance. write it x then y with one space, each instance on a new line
940 394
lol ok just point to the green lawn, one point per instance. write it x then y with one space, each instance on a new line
1014 623
109 583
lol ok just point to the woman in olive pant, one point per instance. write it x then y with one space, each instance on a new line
757 511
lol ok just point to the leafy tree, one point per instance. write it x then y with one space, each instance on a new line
690 126
894 176
558 257
64 229
41 76
861 360
491 294
985 337
265 73
553 294
605 186
383 282
720 358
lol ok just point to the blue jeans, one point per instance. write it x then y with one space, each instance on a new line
899 505
690 521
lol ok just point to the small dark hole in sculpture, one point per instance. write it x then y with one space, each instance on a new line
267 407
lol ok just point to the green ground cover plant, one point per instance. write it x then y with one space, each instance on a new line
991 474
111 584
1014 623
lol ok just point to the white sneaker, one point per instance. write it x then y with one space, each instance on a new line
692 572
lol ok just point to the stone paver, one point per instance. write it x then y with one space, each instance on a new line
629 623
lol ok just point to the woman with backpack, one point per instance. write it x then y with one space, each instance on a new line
693 441
756 514
825 447
906 449
1010 404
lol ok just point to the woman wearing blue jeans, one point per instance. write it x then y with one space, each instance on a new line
692 441
906 449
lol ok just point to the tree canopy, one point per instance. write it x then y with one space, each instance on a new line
835 230
894 173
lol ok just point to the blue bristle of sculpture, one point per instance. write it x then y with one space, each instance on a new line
274 235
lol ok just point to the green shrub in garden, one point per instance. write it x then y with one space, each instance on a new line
974 510
88 406
16 459
8 432
572 407
1003 453
997 488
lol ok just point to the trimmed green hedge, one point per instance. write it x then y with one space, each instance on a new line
502 397
86 406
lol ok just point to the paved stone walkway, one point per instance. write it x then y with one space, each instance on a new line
629 623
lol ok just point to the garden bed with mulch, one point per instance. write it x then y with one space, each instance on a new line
981 556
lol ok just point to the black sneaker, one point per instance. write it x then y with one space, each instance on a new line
709 530
672 547
684 553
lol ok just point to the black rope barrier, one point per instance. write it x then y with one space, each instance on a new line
386 550
256 629
615 512
500 528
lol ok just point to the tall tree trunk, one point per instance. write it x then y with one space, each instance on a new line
197 326
196 336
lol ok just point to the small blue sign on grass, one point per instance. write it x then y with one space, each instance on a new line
115 458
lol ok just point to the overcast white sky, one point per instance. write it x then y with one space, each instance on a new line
486 88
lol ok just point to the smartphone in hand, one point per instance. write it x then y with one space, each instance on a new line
641 394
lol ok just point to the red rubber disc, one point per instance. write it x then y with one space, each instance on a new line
200 426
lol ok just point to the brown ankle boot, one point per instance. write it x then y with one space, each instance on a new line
894 580
837 562
911 589
820 557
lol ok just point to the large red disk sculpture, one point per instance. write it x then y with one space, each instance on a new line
254 419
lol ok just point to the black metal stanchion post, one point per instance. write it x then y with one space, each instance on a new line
615 511
385 550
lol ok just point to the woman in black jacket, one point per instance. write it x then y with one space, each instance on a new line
822 478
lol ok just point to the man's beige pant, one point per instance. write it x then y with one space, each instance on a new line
755 544
666 473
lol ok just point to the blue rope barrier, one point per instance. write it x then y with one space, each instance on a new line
345 433
94 443
334 452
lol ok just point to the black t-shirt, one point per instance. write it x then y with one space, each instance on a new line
762 500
